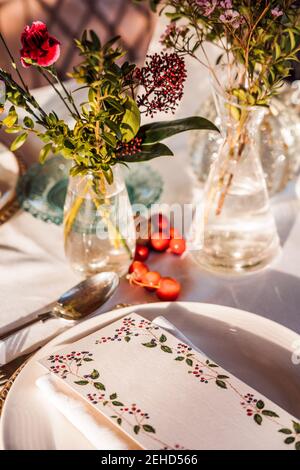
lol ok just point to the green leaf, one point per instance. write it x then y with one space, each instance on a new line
296 427
131 120
166 349
221 383
44 152
119 421
157 131
270 413
99 386
189 362
95 374
109 139
136 429
258 419
285 431
11 118
19 141
81 382
297 445
113 396
148 152
289 440
148 428
117 403
127 339
163 339
179 358
88 359
260 404
222 377
28 122
149 345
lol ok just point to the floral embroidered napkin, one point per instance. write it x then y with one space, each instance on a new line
166 395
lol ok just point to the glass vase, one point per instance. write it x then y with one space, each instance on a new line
239 231
99 231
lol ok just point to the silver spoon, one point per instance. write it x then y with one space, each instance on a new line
78 302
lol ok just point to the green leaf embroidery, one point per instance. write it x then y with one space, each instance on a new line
260 405
127 339
148 428
162 339
136 429
223 377
149 345
258 419
297 445
166 349
117 403
189 362
289 440
221 383
270 413
179 358
119 421
88 359
95 374
285 431
296 427
113 396
99 386
81 382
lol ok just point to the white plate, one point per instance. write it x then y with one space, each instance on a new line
255 349
9 173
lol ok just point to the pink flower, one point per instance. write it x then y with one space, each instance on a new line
38 45
276 12
207 6
233 18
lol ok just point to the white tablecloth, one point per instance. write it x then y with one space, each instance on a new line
33 271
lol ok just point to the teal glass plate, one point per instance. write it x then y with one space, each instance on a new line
42 190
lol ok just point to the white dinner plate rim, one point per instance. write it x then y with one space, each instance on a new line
283 336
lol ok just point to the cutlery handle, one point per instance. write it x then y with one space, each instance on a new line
42 317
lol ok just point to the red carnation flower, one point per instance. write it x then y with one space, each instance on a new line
38 45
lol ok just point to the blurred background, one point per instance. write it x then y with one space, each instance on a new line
66 19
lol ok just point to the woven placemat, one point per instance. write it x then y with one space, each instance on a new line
6 388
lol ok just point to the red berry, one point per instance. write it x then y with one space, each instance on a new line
138 269
177 246
159 241
141 253
151 278
169 289
160 222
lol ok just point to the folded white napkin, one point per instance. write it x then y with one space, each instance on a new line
81 416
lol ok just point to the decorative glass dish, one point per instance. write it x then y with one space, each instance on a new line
42 190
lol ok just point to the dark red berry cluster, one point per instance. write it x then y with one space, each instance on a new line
162 78
249 400
132 147
95 398
134 410
128 330
197 372
183 348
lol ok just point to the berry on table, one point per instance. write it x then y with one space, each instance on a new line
141 252
169 289
177 246
137 269
159 241
151 280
